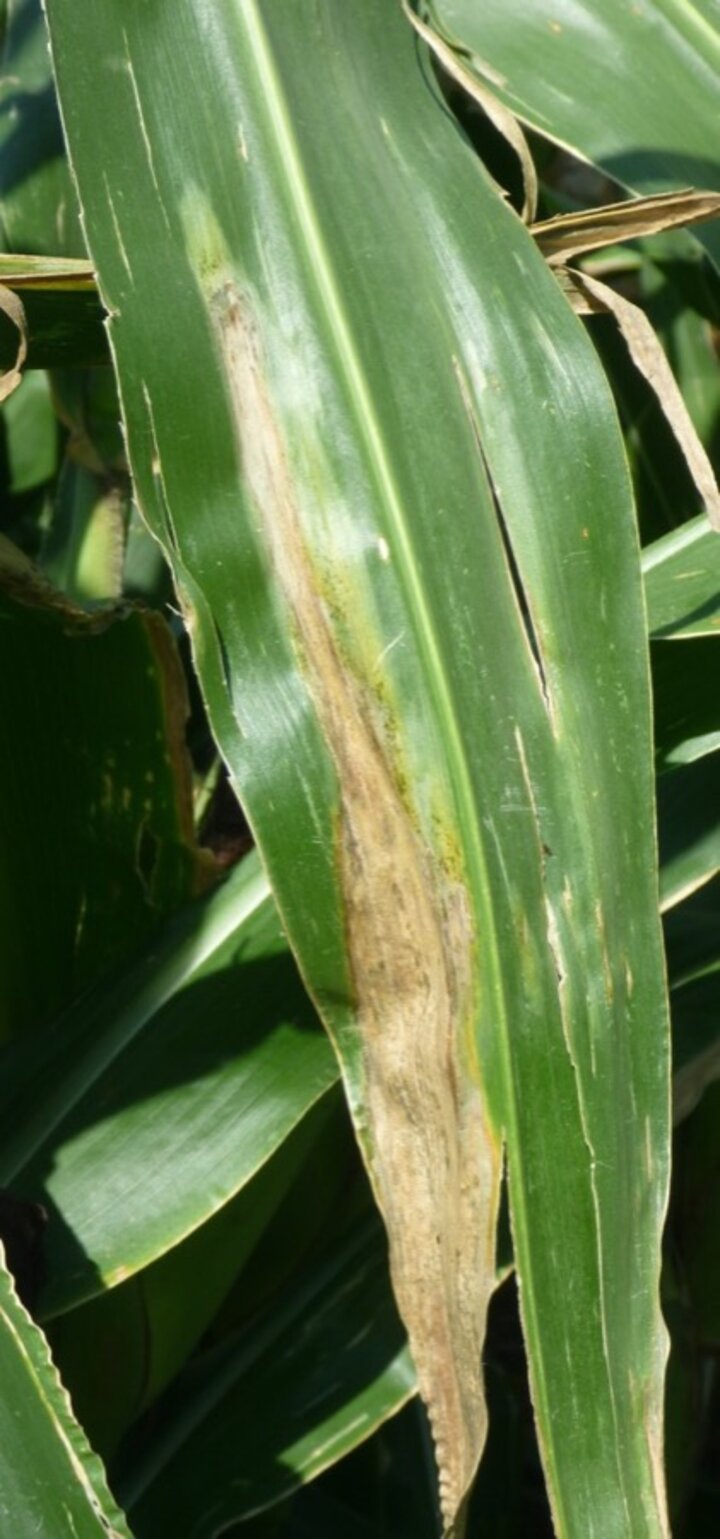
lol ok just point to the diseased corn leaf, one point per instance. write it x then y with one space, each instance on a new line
52 1486
328 327
630 87
682 582
96 815
303 1384
147 1106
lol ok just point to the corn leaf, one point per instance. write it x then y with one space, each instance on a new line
208 1037
140 1333
261 1414
385 468
630 87
682 582
51 1484
97 834
38 207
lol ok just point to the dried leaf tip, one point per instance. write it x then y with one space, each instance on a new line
13 307
568 235
588 296
500 116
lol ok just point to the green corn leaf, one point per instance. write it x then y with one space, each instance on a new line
153 1101
682 582
51 1484
262 1414
38 207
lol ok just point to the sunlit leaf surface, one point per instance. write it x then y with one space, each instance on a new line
383 462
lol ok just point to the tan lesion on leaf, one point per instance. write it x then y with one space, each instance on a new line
434 1163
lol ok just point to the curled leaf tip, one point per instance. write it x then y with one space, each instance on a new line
13 307
589 296
500 116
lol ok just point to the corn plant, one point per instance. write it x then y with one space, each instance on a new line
359 577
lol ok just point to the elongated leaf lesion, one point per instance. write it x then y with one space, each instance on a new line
433 1159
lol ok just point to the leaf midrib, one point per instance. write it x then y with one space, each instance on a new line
370 431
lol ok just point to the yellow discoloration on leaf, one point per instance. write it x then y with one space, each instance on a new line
434 1163
204 239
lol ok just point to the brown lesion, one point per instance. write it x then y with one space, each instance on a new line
434 1163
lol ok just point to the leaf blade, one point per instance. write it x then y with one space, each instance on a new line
52 1484
361 607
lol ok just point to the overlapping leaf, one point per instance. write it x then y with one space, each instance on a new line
630 87
682 582
300 1387
97 837
51 1484
148 1106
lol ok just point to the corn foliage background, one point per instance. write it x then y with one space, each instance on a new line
360 851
